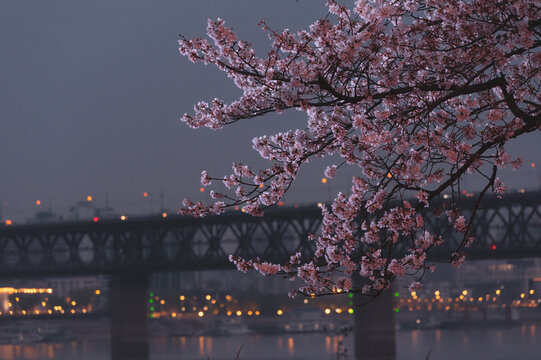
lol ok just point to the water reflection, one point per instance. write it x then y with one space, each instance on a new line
484 343
415 337
290 345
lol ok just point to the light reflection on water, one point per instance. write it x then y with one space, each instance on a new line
523 342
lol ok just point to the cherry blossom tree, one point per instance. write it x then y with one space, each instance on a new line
412 94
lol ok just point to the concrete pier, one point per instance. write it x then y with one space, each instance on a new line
129 325
374 328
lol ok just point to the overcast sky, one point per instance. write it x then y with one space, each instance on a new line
91 93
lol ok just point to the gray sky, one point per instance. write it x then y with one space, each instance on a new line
91 93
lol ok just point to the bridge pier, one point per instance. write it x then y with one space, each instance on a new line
129 326
374 328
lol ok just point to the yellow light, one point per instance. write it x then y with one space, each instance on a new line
531 292
73 303
279 312
257 313
98 292
465 292
338 311
49 311
522 296
164 215
50 291
17 299
250 313
327 311
73 311
200 314
305 301
38 202
498 292
43 303
24 312
350 310
84 311
323 180
413 293
319 204
461 297
162 302
123 217
173 314
437 293
182 297
9 222
89 198
208 297
339 290
239 313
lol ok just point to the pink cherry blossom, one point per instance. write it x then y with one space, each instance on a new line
408 96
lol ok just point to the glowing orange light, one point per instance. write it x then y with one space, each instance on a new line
38 202
164 215
280 203
145 194
89 198
8 222
201 189
96 219
260 185
323 180
389 175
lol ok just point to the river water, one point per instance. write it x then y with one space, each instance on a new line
523 342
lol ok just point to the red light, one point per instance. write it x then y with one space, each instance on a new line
145 194
533 164
8 222
96 219
202 189
493 247
281 203
464 192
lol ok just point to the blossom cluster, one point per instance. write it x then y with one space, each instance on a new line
413 95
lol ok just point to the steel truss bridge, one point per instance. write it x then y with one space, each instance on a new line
504 228
130 250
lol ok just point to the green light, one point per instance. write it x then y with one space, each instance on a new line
350 311
150 301
151 294
350 303
396 294
151 315
396 310
152 308
350 295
